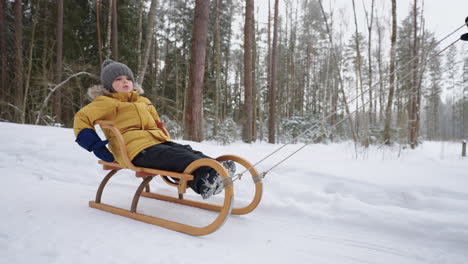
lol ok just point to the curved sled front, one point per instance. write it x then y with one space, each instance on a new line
256 179
147 175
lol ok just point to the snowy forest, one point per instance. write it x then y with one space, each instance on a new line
302 76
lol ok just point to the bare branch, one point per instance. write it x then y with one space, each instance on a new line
44 103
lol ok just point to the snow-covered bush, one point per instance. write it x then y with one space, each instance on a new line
227 132
173 127
303 129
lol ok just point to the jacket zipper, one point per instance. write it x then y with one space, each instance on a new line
139 116
138 112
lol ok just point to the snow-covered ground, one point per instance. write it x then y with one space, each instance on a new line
327 204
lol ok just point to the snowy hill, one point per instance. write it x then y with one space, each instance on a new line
328 204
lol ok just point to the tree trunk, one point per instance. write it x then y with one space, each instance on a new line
149 38
19 57
268 63
109 29
46 53
193 116
30 61
272 90
217 69
380 67
227 65
58 65
413 97
365 141
421 65
307 69
98 26
139 32
167 67
115 38
156 66
248 100
255 97
388 109
3 51
370 22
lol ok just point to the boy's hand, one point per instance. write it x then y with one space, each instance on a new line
89 140
100 150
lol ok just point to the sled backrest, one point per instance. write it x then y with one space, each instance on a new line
139 171
123 149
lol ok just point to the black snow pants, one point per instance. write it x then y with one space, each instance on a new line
175 157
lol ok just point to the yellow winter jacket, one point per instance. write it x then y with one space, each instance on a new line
134 115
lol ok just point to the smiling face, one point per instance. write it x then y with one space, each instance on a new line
122 84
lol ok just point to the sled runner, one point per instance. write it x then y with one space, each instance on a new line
178 180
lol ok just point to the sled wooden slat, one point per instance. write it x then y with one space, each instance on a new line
115 165
176 226
197 204
181 183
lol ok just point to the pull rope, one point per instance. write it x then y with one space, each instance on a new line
313 127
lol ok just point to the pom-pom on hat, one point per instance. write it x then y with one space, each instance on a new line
110 70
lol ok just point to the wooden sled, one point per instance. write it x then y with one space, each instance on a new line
178 180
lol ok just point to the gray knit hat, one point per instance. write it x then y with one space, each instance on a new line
110 70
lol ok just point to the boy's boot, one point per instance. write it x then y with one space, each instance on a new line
213 183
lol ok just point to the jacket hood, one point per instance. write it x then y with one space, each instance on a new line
97 90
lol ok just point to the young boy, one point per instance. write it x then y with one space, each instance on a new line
118 99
